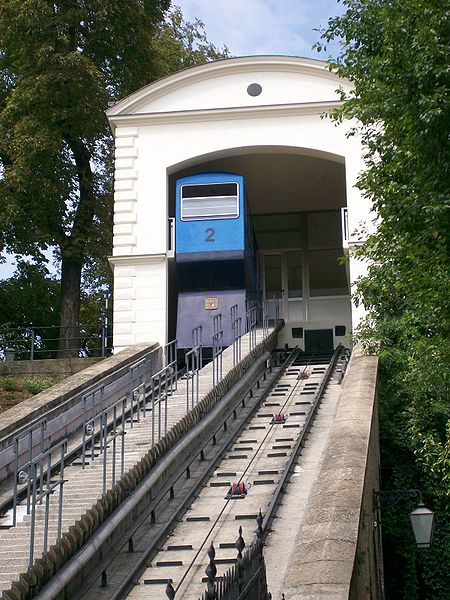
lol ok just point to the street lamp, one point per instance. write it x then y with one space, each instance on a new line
422 521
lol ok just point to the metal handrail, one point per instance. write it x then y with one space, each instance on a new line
34 341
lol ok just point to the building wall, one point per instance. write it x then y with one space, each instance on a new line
151 144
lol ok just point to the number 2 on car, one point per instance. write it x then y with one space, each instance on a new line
210 232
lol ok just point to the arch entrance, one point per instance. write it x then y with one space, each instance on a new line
296 199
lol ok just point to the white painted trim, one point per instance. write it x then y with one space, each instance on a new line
137 259
224 114
261 149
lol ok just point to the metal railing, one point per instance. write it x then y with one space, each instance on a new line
163 385
21 472
217 349
105 426
105 421
251 321
246 580
192 361
272 307
43 487
197 340
139 374
171 360
236 328
34 343
265 317
102 431
39 471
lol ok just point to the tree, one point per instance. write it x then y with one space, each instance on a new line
396 55
182 44
61 63
19 294
29 297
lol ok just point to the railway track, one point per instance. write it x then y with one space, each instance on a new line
253 453
257 454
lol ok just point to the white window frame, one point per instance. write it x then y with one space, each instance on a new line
210 217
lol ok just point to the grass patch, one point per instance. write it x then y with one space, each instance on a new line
16 388
34 385
8 384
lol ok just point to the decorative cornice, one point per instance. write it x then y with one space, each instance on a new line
136 259
223 114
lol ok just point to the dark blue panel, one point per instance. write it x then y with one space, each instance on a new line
211 275
192 312
206 256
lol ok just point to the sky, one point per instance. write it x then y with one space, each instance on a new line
249 27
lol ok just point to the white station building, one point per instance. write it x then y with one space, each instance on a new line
263 117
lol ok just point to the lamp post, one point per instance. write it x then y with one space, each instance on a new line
10 354
422 521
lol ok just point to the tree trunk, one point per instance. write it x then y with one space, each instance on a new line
69 337
73 250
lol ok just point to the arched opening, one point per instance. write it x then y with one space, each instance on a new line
295 198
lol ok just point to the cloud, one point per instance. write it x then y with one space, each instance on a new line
262 26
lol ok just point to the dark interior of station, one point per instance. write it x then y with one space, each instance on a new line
295 200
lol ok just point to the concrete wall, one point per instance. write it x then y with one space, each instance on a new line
59 367
334 558
364 583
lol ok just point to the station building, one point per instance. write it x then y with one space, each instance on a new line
267 119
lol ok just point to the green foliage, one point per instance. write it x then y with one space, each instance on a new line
32 297
396 55
180 44
35 385
29 296
61 64
8 384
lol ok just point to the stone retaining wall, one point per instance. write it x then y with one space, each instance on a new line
60 367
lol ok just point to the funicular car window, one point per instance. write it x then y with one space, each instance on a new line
209 201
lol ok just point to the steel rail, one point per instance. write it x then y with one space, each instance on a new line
73 568
264 523
291 358
124 588
270 512
285 366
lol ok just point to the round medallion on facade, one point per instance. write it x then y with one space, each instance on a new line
254 89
